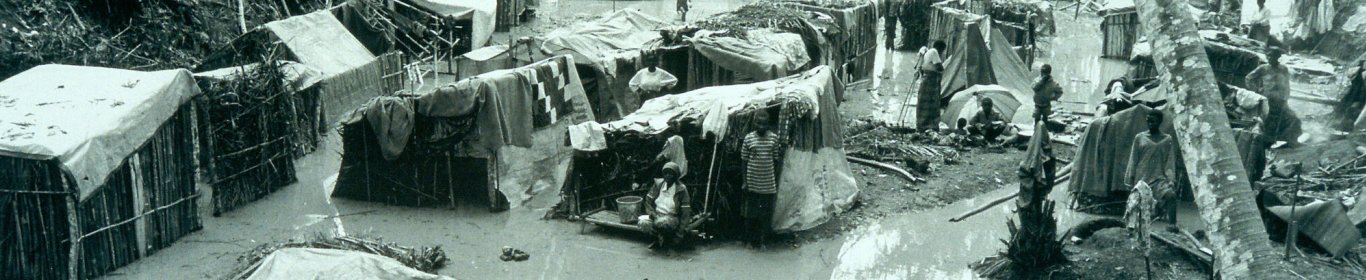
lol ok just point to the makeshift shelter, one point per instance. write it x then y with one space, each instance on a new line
255 120
1119 27
1020 21
96 169
608 53
506 125
858 24
978 61
490 58
318 263
1231 57
814 179
351 74
472 20
1016 107
756 43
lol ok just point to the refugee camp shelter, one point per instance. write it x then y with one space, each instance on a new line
473 20
499 135
253 122
491 58
815 182
979 61
608 53
1020 21
1119 28
759 42
351 73
96 169
1231 57
858 32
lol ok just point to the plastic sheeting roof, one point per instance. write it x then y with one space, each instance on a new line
1002 66
483 14
315 263
589 42
764 54
653 116
89 118
320 41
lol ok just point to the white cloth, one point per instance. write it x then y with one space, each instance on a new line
665 204
1250 103
652 81
717 120
587 136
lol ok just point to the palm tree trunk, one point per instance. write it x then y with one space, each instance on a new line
1222 190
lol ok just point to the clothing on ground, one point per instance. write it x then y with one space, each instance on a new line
652 81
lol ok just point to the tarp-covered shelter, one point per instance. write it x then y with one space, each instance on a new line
983 60
815 182
756 43
351 73
1020 21
254 121
96 168
490 58
1119 28
477 15
857 42
609 51
1231 57
318 263
507 126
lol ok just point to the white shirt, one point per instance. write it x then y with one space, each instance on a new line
652 81
928 58
664 204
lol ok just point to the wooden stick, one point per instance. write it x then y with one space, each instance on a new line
993 203
889 167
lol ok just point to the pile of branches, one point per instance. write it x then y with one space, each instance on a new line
425 259
137 35
884 145
775 15
834 4
1327 182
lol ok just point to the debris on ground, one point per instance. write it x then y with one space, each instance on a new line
883 145
425 259
513 254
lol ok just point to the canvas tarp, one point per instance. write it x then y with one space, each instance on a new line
816 182
480 12
89 118
298 75
594 41
978 61
764 54
1099 165
526 164
316 263
318 40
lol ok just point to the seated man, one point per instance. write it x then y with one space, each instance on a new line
987 123
666 206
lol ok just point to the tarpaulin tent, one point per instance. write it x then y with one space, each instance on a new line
608 50
480 13
490 58
764 54
978 61
858 34
1016 107
96 168
814 179
254 121
507 126
758 40
1021 21
351 74
317 263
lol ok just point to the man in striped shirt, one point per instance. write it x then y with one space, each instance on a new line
759 154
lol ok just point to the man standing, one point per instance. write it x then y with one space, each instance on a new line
927 96
890 11
1273 81
1046 90
649 82
683 6
1152 163
759 152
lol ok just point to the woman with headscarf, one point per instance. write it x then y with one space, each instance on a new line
667 206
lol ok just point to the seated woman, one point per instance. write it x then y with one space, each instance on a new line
666 208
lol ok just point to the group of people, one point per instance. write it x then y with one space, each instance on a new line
988 123
668 205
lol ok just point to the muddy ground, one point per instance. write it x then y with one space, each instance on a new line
897 231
